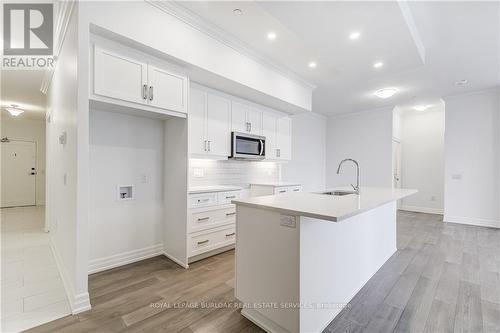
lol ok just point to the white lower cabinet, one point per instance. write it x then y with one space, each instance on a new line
211 222
257 190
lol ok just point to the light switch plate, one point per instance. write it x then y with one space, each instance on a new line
288 221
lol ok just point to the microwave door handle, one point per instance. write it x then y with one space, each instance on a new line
261 147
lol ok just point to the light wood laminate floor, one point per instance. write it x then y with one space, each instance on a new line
444 278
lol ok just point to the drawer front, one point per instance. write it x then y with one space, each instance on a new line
226 197
295 189
202 200
212 239
281 190
205 219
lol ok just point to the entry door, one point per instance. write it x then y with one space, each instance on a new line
396 164
18 173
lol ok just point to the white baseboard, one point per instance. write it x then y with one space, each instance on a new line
177 261
472 221
418 209
120 259
77 302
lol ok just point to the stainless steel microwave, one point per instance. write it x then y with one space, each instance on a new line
248 146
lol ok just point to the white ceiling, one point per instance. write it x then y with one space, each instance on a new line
22 87
461 41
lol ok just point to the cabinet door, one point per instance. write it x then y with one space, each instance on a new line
254 117
218 125
197 122
269 131
166 90
119 76
239 117
284 131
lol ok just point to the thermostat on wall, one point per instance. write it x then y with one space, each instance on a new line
125 192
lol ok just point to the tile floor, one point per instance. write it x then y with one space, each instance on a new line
31 291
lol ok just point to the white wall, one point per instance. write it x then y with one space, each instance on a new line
472 159
365 137
30 130
422 159
67 230
125 150
308 152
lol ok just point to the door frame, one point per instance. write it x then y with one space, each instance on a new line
36 163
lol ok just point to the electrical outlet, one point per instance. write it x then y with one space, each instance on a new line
65 179
456 176
288 221
433 198
198 173
144 179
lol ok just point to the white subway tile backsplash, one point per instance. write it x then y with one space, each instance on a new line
231 172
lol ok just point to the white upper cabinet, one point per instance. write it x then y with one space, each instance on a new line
254 118
218 129
166 90
245 118
269 120
284 138
120 75
209 124
239 121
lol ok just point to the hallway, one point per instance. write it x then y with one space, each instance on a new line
32 291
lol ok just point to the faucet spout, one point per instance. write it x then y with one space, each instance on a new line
356 188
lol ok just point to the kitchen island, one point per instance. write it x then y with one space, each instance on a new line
301 257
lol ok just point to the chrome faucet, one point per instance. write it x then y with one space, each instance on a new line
356 188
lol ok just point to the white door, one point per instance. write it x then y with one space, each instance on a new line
255 120
119 76
197 122
166 90
218 125
239 121
18 173
284 139
396 164
269 131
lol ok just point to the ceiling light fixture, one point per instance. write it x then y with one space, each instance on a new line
378 64
354 35
422 107
461 83
237 11
385 92
312 64
14 111
271 35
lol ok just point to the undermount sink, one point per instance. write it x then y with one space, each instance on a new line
339 193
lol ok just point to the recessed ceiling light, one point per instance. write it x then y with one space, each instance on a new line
385 92
378 64
354 35
312 64
14 111
422 107
271 35
461 83
237 11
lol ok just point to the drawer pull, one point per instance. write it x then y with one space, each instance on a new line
203 200
282 191
203 218
203 242
231 234
296 189
229 214
231 197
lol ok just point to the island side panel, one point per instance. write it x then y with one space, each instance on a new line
267 268
338 258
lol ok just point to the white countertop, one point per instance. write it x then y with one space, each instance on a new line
213 188
327 207
276 184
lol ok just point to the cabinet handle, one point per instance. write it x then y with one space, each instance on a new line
205 145
282 191
145 91
231 234
250 126
231 197
203 242
203 219
209 145
296 189
278 152
150 93
203 200
229 214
